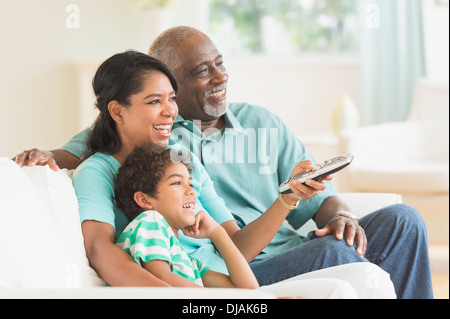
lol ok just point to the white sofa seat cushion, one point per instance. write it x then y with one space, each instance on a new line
41 243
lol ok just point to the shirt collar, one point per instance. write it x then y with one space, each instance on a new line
232 122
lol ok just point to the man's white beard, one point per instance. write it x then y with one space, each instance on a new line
214 111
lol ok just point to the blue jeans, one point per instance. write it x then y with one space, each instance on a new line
397 242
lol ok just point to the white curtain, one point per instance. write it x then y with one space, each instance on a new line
392 58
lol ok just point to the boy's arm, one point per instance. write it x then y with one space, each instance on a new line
161 270
241 275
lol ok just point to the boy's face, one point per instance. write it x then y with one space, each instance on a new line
175 198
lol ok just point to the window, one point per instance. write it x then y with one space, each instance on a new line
285 26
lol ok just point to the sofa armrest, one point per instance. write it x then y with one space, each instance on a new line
135 293
360 204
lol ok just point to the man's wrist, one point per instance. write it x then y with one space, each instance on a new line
344 213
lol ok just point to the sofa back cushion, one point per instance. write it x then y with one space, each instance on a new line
41 244
430 108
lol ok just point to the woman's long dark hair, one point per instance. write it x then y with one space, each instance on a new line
118 78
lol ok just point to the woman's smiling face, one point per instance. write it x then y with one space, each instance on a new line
150 116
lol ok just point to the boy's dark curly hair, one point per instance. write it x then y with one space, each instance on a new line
142 171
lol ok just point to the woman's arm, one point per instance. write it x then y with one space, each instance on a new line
112 263
55 159
68 156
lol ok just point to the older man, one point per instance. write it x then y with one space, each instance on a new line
248 152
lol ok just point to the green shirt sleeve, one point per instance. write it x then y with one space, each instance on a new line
292 152
94 188
148 239
77 144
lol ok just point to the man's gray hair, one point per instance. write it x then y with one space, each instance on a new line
164 46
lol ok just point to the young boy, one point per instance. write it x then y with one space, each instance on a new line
157 196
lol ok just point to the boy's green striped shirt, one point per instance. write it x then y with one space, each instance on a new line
149 237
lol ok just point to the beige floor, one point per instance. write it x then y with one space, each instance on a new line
439 258
440 286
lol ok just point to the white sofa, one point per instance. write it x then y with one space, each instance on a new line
41 244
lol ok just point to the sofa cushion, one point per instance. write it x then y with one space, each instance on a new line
397 177
40 234
430 108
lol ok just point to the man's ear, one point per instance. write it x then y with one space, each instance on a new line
116 111
143 200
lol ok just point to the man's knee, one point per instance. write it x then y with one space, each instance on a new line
333 252
404 215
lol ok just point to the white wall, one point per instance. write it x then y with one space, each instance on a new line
38 79
41 57
303 91
40 93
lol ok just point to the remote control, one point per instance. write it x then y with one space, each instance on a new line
326 168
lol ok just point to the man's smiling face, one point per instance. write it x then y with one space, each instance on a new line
202 79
